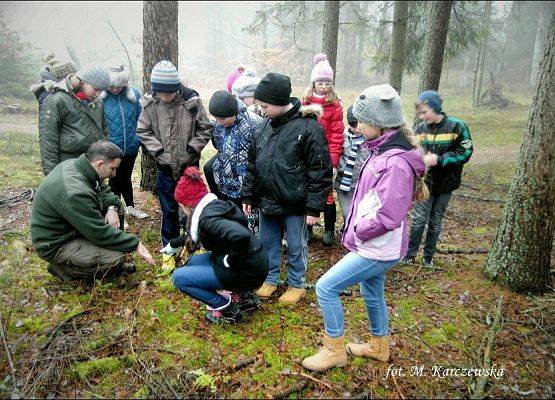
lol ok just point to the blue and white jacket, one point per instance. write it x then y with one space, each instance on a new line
122 113
233 143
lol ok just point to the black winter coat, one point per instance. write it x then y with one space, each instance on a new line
223 230
290 170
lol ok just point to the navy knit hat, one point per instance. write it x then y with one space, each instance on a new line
351 119
164 78
274 89
223 104
431 98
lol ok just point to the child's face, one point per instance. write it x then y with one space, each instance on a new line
249 101
225 122
166 97
426 113
368 131
355 129
90 91
322 88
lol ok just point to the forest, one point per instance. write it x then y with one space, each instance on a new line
478 323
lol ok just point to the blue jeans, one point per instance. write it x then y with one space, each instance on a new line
198 280
271 234
350 270
170 209
431 213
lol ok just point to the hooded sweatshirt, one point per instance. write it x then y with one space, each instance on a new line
376 226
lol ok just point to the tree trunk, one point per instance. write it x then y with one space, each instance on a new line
160 42
397 55
479 70
361 41
520 255
436 36
331 30
544 15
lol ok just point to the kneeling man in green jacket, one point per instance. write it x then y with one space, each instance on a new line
75 222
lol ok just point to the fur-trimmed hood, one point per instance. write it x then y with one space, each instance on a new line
311 110
129 94
208 198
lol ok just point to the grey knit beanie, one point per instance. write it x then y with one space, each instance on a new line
223 104
96 76
379 106
119 76
245 85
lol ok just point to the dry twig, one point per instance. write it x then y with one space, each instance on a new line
15 392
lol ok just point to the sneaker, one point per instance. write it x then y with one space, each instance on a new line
247 301
428 264
136 213
230 314
292 295
266 290
327 239
407 260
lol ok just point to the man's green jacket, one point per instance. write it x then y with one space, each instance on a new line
70 203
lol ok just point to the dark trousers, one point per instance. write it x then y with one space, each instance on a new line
428 213
209 175
170 209
121 184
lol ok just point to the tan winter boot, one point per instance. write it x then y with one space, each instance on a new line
331 354
292 295
377 348
266 290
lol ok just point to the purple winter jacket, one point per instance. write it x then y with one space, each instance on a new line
376 226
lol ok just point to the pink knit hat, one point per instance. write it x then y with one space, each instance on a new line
322 69
233 76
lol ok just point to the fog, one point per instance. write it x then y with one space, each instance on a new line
213 42
49 25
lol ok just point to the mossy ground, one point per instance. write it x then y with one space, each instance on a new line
136 336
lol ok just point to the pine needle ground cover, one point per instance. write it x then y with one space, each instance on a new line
137 336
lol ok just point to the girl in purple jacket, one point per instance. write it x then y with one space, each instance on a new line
376 227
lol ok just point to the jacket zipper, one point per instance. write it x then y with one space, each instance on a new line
123 125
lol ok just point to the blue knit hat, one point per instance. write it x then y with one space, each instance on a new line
431 98
164 78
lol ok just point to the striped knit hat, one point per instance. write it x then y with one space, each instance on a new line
164 78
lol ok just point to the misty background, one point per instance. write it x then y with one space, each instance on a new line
216 37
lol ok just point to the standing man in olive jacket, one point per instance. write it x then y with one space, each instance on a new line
289 176
174 128
72 116
74 220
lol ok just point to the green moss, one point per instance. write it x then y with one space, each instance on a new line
449 330
96 368
435 336
142 393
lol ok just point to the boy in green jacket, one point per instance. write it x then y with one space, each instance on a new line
74 220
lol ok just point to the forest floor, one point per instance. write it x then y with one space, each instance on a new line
137 336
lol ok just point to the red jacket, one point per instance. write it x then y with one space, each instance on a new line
332 122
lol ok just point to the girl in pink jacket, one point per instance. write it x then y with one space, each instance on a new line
376 227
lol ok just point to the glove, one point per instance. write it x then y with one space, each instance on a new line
168 249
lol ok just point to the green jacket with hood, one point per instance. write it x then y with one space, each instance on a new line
70 203
67 127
